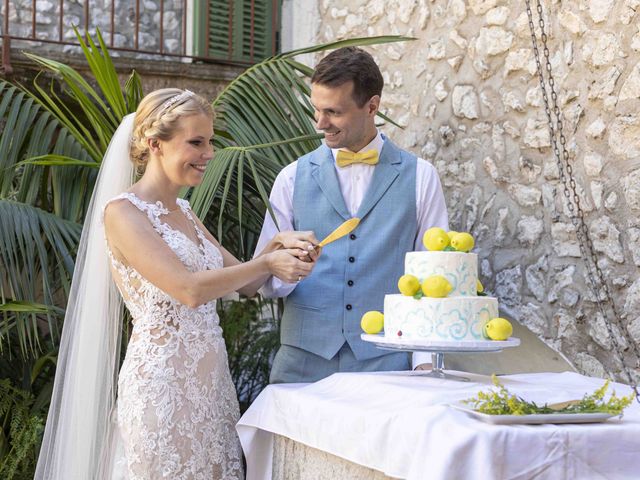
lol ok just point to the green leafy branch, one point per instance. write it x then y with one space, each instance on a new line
20 432
502 402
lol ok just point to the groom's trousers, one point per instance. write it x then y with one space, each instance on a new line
294 365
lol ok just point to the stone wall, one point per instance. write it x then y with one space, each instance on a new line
467 94
47 22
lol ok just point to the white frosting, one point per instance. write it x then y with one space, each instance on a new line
461 269
451 318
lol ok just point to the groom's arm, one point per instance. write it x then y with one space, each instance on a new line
281 200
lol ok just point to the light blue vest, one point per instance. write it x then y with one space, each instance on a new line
354 273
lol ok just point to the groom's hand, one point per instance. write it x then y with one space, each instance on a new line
304 242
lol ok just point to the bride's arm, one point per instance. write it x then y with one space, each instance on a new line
303 241
132 239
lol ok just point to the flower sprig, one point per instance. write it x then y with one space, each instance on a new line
503 402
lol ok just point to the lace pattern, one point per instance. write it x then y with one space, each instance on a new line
177 406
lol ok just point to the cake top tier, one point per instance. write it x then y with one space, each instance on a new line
459 268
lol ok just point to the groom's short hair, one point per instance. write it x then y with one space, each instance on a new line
350 64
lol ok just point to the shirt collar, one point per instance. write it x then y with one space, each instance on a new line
376 144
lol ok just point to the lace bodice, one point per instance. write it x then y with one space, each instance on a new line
177 405
148 304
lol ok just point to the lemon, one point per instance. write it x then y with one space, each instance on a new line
451 233
498 329
372 322
463 242
479 286
408 285
436 286
435 239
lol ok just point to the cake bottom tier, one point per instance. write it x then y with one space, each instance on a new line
451 318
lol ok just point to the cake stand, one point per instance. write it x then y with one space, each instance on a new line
438 348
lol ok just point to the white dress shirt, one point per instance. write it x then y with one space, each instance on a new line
354 181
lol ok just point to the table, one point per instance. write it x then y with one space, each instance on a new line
401 424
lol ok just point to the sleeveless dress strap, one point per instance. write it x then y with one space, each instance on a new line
152 210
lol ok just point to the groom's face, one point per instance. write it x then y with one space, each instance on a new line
344 123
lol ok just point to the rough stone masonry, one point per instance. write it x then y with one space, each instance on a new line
467 94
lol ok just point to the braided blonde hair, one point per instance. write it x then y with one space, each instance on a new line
158 116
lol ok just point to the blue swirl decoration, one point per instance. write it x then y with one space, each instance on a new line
453 280
452 325
463 273
484 315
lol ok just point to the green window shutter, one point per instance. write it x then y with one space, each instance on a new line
237 30
220 13
255 39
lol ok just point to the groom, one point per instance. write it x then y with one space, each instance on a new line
357 172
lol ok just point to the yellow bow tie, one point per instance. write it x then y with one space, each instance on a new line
344 157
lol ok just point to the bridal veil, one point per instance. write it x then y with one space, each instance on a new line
80 435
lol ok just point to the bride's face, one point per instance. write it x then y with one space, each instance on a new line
184 158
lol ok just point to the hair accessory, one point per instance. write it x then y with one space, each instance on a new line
175 99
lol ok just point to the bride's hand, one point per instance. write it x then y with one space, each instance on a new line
285 265
304 241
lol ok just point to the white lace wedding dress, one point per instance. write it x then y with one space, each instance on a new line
176 405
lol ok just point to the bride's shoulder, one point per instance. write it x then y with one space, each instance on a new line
122 208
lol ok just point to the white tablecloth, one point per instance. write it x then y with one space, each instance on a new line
399 423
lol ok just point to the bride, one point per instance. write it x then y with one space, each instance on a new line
176 407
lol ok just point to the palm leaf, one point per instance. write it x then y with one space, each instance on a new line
52 143
29 307
102 109
54 160
18 113
31 131
36 263
350 42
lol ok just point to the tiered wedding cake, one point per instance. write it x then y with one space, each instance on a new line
459 316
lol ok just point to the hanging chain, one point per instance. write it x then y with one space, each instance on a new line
603 298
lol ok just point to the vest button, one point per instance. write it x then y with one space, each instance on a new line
352 259
352 236
350 283
349 307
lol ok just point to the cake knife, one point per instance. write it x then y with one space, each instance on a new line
340 232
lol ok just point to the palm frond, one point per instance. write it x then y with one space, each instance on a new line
18 112
37 249
31 131
102 109
53 160
350 42
133 91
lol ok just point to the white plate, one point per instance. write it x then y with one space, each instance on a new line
535 419
416 344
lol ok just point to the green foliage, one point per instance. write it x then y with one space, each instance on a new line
52 141
502 402
51 144
22 429
251 341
